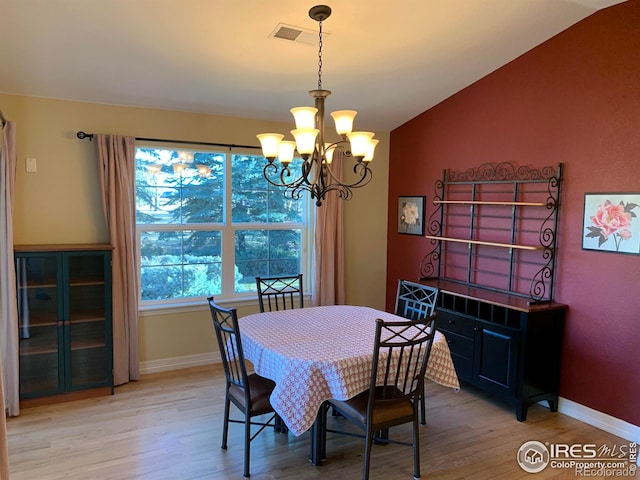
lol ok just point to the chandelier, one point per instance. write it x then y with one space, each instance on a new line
317 176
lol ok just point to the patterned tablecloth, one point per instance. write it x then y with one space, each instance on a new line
318 353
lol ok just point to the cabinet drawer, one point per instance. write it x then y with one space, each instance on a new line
459 345
453 322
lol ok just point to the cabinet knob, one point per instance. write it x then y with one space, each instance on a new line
60 323
452 322
67 323
450 342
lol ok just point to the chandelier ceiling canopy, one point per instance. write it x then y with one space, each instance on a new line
317 176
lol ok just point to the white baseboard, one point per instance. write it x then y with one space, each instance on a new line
572 409
600 420
176 363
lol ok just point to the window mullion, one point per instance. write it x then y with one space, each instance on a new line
228 234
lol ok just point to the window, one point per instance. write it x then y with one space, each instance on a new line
208 223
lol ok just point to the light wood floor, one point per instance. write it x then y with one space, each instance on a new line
168 426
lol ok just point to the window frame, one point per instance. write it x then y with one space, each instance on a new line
228 231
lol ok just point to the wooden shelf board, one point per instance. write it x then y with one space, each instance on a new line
481 202
86 318
500 299
87 283
38 323
86 345
26 352
74 247
491 244
51 284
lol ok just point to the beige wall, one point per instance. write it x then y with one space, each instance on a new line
60 203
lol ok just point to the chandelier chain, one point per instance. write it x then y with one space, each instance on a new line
320 57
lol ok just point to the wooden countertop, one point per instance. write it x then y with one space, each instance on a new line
506 300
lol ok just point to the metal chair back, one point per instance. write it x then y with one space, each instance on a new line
414 300
401 352
225 322
280 293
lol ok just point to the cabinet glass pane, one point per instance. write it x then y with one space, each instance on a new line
37 280
88 352
86 289
88 366
87 328
38 373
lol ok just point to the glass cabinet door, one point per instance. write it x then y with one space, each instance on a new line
39 327
87 325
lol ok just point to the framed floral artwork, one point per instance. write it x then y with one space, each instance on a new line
611 222
411 215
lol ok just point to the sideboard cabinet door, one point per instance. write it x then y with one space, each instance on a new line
495 357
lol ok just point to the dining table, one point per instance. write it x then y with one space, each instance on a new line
314 354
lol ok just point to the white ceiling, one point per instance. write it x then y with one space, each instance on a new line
388 60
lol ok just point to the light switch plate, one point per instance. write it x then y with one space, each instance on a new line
31 165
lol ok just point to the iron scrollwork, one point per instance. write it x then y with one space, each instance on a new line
430 264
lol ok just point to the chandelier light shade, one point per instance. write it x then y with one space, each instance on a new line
316 177
270 143
344 120
286 152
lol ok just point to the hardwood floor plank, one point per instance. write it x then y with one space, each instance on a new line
169 426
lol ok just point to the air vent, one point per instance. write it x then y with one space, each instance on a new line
295 34
287 33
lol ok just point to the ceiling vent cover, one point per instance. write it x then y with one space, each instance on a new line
295 34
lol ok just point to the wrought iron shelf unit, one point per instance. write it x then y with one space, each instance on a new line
492 257
494 227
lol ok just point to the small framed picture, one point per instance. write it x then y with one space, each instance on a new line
611 222
411 215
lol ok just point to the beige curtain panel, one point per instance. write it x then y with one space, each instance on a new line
328 285
9 380
116 155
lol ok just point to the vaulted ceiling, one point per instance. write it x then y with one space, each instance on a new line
388 60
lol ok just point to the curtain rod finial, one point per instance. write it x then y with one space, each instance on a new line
81 135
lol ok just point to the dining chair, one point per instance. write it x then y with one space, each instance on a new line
248 392
415 301
400 354
280 293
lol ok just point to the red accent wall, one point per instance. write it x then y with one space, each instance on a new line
574 99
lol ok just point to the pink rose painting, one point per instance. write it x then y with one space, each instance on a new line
611 224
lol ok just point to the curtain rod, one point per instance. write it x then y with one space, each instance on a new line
82 135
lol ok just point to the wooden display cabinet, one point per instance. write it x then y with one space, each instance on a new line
64 322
